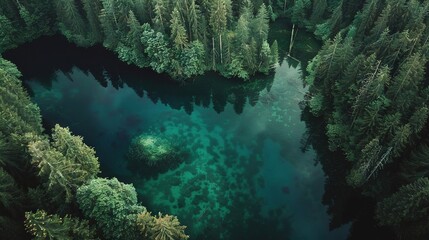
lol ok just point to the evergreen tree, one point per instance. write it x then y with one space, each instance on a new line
409 203
178 31
260 25
11 196
367 17
274 54
7 34
71 23
112 205
419 119
265 58
92 11
160 19
218 21
319 8
65 164
417 166
44 226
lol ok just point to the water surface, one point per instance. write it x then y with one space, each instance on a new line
245 175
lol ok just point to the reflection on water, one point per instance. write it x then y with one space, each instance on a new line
244 176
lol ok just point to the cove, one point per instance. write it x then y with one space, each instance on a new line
245 175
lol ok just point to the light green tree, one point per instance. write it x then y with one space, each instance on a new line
43 226
112 205
65 163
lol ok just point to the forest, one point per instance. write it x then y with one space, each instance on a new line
368 84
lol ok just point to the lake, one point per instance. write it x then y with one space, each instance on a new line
244 173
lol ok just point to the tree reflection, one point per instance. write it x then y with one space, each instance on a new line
41 59
345 205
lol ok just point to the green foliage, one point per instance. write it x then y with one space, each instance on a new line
9 68
70 22
218 16
152 150
53 227
418 119
274 54
160 227
299 11
92 12
65 163
316 104
417 166
409 203
265 58
157 49
260 25
319 8
192 59
11 196
372 79
112 205
178 31
74 149
168 227
165 35
18 116
370 160
7 34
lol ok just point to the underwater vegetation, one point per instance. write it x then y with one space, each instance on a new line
153 151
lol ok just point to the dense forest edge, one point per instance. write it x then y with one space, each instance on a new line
368 84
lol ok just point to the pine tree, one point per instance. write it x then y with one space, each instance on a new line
411 74
65 164
11 196
419 119
408 204
218 21
274 54
299 11
265 58
168 227
178 31
74 149
260 25
44 226
242 30
92 11
7 34
109 24
319 8
160 11
417 165
382 22
71 22
367 17
362 169
400 139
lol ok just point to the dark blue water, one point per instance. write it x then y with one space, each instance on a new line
244 174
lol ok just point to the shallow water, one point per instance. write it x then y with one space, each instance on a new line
244 175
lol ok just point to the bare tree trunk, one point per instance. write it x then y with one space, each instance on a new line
220 47
214 60
292 39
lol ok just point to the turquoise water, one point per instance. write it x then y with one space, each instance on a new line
243 176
